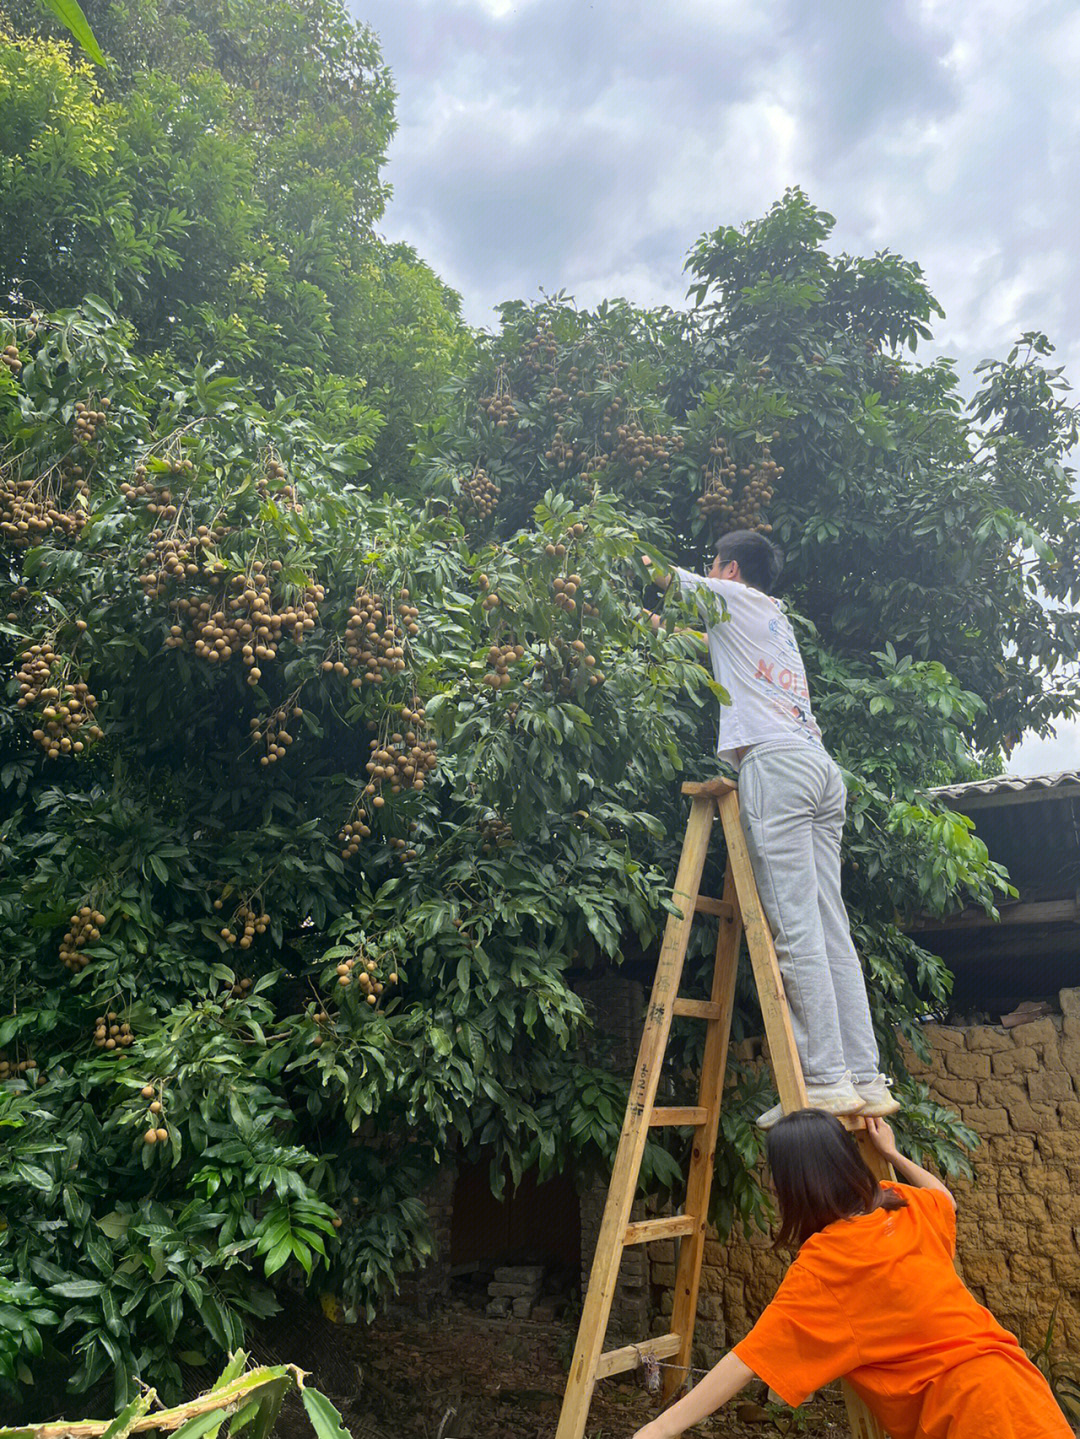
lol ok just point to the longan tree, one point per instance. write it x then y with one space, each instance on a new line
328 761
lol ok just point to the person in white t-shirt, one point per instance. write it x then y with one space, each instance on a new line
792 801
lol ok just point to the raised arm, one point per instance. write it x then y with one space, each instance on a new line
662 580
720 1384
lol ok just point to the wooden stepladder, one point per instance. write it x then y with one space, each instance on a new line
739 912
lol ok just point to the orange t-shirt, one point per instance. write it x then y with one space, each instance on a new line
876 1300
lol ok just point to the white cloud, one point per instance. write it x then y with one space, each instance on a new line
1047 756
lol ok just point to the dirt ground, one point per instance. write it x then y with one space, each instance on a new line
460 1375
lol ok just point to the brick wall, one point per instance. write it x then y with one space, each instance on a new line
1018 1225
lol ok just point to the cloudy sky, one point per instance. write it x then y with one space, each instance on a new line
585 144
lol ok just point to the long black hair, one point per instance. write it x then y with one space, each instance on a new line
820 1176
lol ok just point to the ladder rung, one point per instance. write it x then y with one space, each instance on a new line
618 1361
646 1230
697 1009
687 1114
719 907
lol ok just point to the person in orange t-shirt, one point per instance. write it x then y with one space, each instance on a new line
873 1297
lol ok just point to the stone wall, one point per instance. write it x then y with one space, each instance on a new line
1018 1223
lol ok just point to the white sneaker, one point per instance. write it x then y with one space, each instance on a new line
877 1100
839 1098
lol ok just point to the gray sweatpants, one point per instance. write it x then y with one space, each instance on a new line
792 800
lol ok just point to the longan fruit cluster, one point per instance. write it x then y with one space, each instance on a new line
84 927
31 509
541 347
157 494
578 664
242 619
160 504
375 637
565 454
401 848
479 495
88 421
558 397
157 1133
401 762
640 451
180 558
240 987
351 833
172 558
500 408
759 480
366 973
13 1069
564 590
271 486
271 731
245 924
492 599
756 481
496 833
721 474
110 1033
499 659
320 1017
9 356
67 709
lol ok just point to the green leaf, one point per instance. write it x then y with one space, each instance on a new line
77 1289
202 1424
121 1426
325 1419
70 15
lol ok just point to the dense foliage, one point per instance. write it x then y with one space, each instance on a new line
333 750
218 188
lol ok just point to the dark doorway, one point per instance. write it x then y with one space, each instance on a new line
534 1223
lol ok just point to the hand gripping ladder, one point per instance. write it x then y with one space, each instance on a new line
739 912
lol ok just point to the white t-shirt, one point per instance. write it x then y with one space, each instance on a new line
755 657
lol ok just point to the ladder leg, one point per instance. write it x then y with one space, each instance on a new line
786 1067
700 1177
609 1245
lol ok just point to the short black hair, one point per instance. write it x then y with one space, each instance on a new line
759 560
820 1176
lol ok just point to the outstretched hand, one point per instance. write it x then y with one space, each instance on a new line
659 579
881 1137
